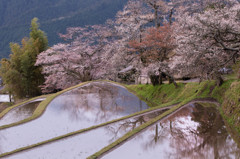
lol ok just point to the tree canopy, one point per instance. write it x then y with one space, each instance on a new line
159 38
20 75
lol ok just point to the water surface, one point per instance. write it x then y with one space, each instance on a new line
19 113
91 104
83 145
193 132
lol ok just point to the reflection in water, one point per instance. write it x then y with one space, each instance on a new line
130 124
83 145
193 132
91 104
19 113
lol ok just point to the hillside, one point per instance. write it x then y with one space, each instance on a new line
54 16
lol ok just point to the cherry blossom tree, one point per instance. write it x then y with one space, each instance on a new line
91 52
155 50
160 10
209 41
150 44
156 44
197 6
207 34
80 60
94 52
131 20
130 24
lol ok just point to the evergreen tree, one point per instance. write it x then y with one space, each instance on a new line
20 75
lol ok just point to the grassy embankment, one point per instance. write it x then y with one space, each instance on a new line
167 94
228 95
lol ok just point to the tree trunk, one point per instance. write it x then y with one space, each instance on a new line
10 97
155 79
200 80
170 16
156 16
172 80
175 84
161 79
161 74
219 80
239 73
156 134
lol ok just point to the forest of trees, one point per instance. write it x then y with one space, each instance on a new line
156 37
55 16
163 38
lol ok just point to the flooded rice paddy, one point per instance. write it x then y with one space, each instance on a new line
193 132
20 113
83 145
89 105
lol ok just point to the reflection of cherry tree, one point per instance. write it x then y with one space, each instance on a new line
160 134
97 101
118 129
212 131
108 105
199 135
